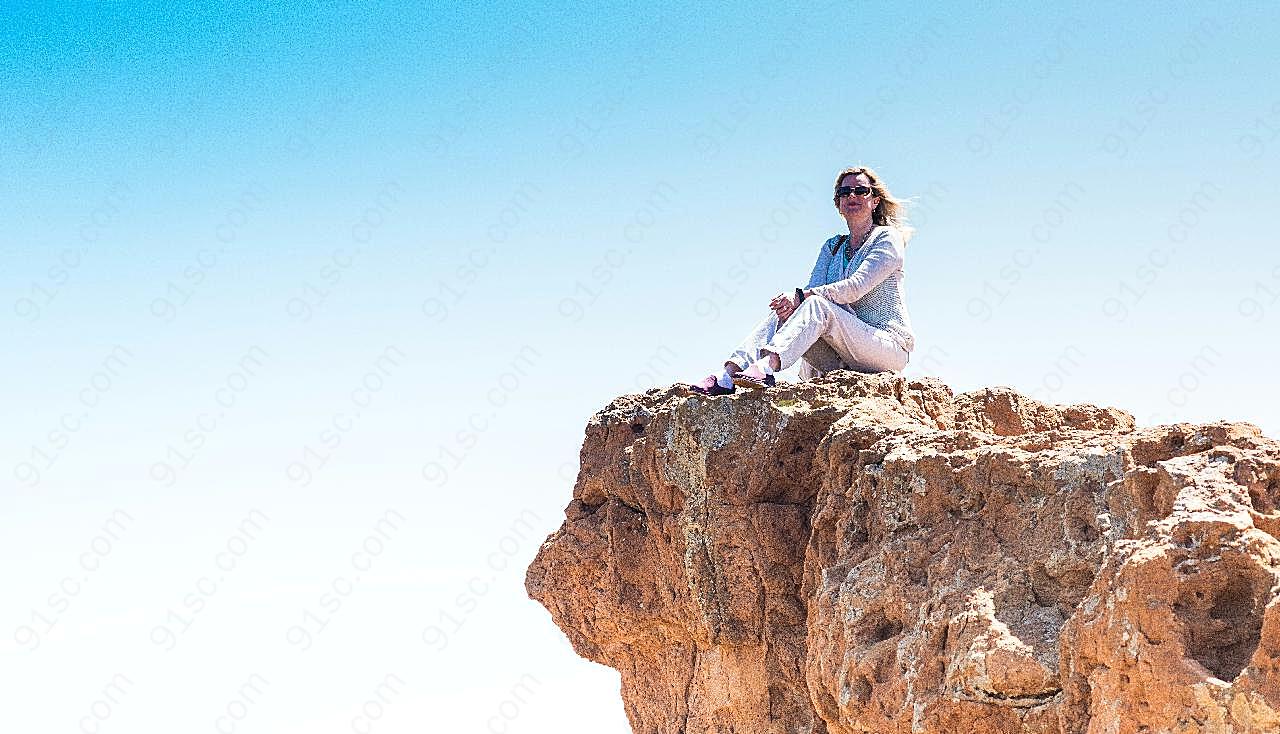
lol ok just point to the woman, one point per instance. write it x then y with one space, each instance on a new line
851 315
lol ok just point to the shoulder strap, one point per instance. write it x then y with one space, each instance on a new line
840 241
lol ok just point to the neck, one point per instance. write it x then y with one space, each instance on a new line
858 230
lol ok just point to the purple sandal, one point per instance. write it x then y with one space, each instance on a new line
709 386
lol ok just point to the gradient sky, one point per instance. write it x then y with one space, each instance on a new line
331 266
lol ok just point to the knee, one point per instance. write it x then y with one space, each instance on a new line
818 305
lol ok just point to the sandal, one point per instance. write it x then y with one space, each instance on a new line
709 386
754 379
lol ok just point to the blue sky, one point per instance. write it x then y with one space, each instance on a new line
333 242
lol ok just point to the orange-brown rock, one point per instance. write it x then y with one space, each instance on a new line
871 553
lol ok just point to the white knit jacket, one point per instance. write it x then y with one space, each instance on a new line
870 284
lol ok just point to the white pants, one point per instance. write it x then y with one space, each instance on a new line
823 337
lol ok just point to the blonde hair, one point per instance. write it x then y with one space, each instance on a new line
889 212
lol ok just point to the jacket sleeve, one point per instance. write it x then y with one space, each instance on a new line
820 267
884 257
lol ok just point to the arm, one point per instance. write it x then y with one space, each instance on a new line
784 304
884 257
820 267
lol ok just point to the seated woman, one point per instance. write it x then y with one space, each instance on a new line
851 315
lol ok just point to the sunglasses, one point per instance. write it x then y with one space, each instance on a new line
844 191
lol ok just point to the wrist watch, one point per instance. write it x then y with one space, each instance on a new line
799 295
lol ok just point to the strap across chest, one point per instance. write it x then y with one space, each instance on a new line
848 251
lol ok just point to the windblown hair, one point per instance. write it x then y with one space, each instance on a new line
889 212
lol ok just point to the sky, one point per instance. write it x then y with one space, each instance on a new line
306 308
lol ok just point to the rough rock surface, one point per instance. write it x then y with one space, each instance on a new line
871 553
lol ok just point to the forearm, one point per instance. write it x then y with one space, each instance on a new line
879 264
820 266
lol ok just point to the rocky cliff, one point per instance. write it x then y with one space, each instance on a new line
871 553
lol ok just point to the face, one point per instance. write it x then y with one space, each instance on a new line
857 208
